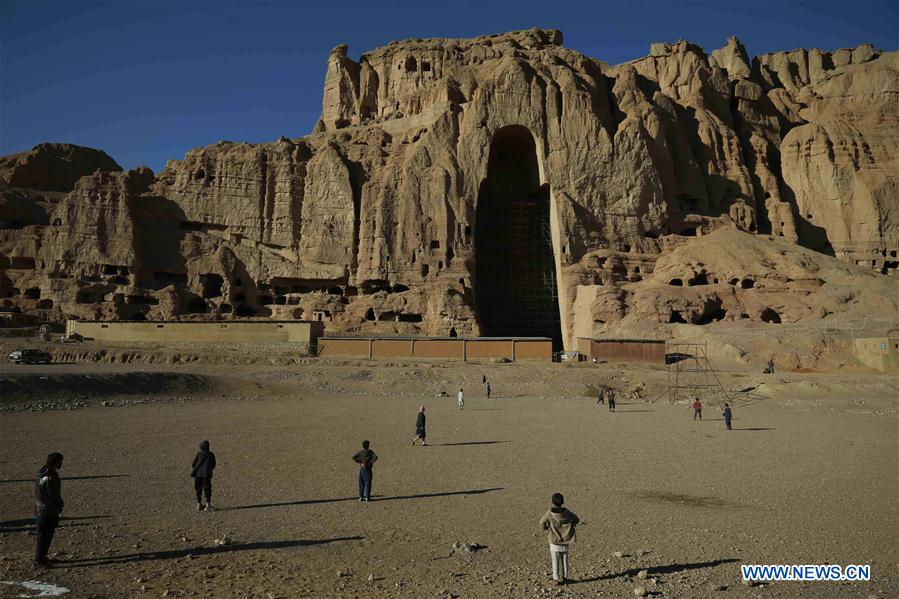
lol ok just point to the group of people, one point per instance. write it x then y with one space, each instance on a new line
607 394
558 522
726 412
48 503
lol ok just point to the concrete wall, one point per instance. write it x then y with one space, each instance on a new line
879 353
343 348
392 348
305 332
431 348
623 350
490 349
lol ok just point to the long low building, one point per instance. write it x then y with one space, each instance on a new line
304 332
650 351
446 348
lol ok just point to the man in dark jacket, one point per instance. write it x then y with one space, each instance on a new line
420 428
48 504
365 458
201 471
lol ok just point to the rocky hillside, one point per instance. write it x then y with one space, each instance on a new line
369 222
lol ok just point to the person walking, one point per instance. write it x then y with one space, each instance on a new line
461 399
611 400
487 388
201 471
420 428
697 408
601 397
48 504
366 459
728 415
560 525
483 379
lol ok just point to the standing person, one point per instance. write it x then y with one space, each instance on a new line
48 504
365 458
483 379
601 397
697 408
461 399
420 427
559 525
201 471
611 400
487 388
728 415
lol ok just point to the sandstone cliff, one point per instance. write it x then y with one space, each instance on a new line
371 222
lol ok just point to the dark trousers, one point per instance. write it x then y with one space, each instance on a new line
365 476
46 526
611 405
697 413
203 485
727 423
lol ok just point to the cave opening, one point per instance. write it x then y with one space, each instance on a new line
515 273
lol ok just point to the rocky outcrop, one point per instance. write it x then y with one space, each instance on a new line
53 167
375 222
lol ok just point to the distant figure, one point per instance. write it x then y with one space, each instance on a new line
769 367
48 504
461 399
611 400
601 397
559 525
728 415
697 408
420 428
487 389
365 458
483 379
201 471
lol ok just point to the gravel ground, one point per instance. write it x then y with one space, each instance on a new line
809 475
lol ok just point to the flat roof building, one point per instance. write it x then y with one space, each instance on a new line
444 348
303 332
649 351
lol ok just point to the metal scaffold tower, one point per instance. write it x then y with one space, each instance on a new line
691 374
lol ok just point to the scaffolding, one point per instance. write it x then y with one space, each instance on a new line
691 375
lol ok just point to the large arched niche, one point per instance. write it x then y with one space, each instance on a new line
515 268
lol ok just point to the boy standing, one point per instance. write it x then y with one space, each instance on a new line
611 400
697 408
461 399
728 415
47 506
420 427
559 525
201 471
365 458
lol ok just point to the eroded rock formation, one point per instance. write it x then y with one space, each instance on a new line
371 222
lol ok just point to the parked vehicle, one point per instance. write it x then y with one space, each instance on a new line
30 356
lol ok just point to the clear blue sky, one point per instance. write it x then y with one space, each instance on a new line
147 81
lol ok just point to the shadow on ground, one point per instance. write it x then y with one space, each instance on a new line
28 524
196 552
374 497
64 478
468 443
668 569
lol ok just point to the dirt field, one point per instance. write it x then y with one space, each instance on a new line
809 475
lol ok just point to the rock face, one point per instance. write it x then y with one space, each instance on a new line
503 171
